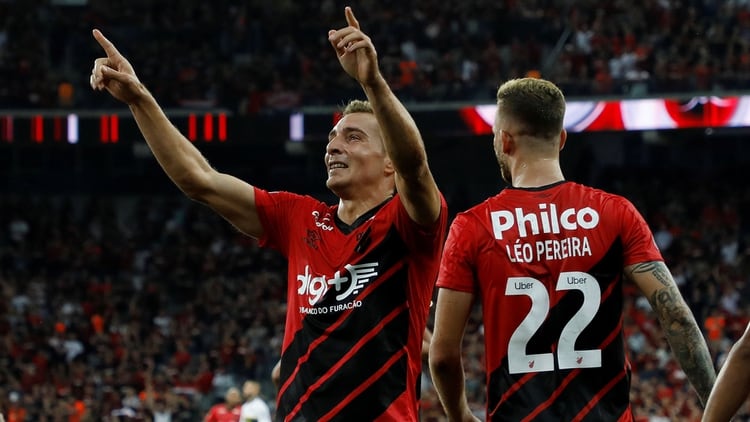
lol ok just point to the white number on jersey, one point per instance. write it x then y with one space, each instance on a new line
567 357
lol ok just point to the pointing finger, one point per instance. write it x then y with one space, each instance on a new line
350 19
107 45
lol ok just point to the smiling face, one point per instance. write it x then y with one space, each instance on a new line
355 158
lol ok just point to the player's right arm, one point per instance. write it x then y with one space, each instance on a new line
452 311
689 347
426 343
232 198
446 364
732 384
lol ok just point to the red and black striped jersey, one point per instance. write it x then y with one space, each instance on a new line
547 263
358 299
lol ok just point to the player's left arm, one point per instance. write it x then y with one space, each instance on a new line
405 147
403 142
688 345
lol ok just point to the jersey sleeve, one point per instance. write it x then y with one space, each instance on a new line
638 241
456 265
277 212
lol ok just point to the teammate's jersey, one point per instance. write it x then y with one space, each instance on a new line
358 301
547 264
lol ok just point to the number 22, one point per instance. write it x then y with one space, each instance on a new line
521 362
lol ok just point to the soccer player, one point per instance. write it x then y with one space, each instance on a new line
733 383
546 259
361 273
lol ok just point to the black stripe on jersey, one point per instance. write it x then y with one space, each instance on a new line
381 298
382 389
583 385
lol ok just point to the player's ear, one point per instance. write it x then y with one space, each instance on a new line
563 138
389 169
508 142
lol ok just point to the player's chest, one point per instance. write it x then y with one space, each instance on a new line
329 247
330 265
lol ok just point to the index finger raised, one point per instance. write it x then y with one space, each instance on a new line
350 19
106 44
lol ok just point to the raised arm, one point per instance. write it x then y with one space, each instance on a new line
677 322
402 140
232 198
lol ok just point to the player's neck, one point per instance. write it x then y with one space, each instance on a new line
537 172
352 208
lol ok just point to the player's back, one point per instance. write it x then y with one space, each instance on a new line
548 264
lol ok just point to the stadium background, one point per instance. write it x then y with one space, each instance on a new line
114 288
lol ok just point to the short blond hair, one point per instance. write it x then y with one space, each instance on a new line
357 106
536 104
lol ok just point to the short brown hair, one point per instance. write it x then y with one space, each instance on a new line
357 106
537 105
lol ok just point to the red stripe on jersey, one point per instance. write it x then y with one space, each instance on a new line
344 359
590 405
343 317
351 396
555 394
515 387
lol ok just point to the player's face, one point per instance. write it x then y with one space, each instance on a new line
502 158
355 156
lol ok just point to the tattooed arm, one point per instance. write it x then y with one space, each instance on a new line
678 323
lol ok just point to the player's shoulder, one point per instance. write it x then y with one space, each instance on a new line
596 195
286 195
477 210
298 202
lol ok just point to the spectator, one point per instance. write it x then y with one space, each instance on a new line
255 409
228 410
32 368
632 48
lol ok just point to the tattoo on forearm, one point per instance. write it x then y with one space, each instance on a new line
685 338
657 269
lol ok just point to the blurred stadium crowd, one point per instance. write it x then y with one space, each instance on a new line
118 308
260 56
